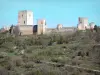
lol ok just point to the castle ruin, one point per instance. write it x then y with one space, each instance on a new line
26 25
83 24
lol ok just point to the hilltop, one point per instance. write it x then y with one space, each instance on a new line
55 54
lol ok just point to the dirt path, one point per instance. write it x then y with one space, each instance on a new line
71 66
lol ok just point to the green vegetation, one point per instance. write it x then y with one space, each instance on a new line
29 55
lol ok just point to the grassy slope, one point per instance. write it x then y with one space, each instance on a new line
76 50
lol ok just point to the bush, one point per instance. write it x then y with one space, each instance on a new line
3 71
44 42
28 65
29 41
37 42
50 43
2 41
61 40
17 61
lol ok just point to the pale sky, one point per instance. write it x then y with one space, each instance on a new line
55 12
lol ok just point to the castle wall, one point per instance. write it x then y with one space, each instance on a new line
25 29
62 30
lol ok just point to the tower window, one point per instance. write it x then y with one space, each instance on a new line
22 15
24 22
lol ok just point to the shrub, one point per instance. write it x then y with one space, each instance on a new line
44 42
50 43
28 65
9 66
60 41
29 41
3 71
8 46
87 53
54 60
18 42
97 37
17 61
2 41
37 42
29 50
80 54
10 39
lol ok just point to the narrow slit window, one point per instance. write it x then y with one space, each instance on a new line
24 22
22 15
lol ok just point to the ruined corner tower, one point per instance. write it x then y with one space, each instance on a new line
41 29
59 26
83 23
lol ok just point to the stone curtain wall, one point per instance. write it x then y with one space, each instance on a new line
26 29
66 29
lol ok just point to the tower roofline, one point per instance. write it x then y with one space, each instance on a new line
83 17
25 11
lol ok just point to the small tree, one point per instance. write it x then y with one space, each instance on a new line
11 29
60 41
95 28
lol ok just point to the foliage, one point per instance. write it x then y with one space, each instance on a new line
78 49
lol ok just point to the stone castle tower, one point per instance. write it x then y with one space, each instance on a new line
92 24
25 17
25 23
59 26
41 29
83 23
